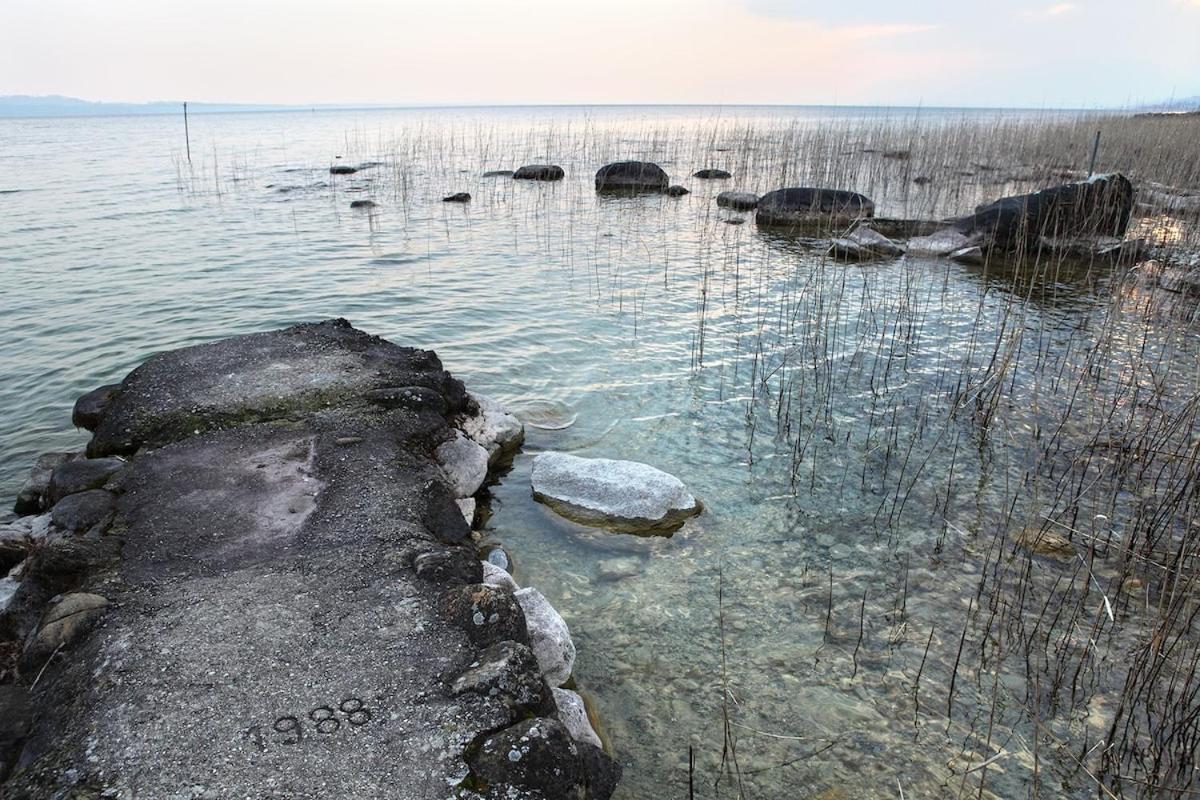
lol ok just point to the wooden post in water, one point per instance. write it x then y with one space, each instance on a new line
1095 150
186 136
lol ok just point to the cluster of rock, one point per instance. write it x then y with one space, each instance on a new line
267 550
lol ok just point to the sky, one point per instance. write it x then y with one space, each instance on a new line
1029 53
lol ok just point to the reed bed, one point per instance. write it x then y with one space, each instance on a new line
1039 426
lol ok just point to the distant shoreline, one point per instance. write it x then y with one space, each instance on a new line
46 108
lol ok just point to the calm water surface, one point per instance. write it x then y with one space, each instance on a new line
652 319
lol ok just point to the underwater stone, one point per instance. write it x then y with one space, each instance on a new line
623 495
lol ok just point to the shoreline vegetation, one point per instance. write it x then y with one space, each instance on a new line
1057 465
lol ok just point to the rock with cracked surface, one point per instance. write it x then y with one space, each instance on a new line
604 492
536 754
549 637
508 672
487 614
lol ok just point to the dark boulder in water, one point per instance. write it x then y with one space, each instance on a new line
1099 206
677 191
738 201
539 172
343 169
362 203
712 174
631 176
457 197
802 206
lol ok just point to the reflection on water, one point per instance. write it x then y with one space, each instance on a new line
851 518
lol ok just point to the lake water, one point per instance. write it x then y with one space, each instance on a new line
850 520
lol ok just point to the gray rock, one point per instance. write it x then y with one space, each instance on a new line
81 475
537 754
1099 206
508 672
804 207
89 409
941 243
712 174
464 463
622 495
498 577
549 637
572 713
631 176
739 201
79 513
539 172
362 204
676 190
31 497
467 505
457 197
342 169
487 614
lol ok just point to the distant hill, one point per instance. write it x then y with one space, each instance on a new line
59 106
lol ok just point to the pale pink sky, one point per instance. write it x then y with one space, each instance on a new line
901 52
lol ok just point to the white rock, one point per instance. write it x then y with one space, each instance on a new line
494 428
625 495
498 577
863 243
939 244
467 506
572 713
549 637
464 463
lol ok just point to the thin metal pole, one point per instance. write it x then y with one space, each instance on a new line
1095 150
187 137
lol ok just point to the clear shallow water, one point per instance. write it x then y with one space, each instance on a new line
674 336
